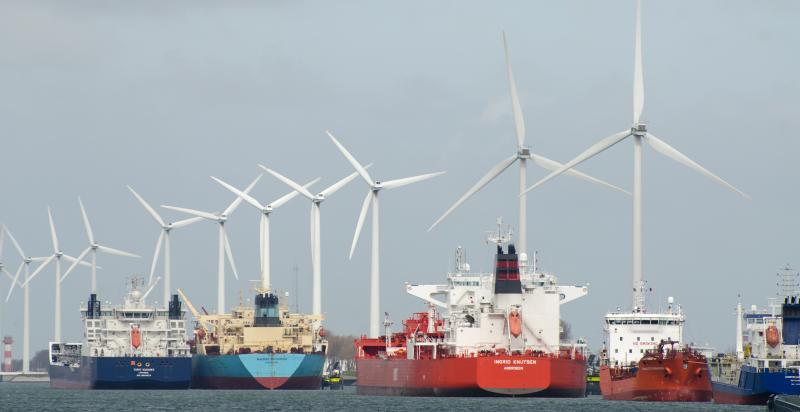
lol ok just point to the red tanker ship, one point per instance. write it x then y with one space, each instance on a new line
662 375
498 335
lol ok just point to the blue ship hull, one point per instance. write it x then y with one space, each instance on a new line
258 371
755 387
124 372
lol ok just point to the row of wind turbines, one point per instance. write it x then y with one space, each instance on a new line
637 132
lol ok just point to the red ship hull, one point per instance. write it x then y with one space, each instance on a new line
683 377
473 376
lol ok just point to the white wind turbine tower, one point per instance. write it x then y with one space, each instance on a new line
639 133
163 238
265 210
224 246
93 247
372 199
315 223
56 256
26 261
523 154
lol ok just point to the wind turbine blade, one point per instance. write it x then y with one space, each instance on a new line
155 257
8 274
14 242
150 289
16 274
86 223
53 236
236 202
488 177
148 208
638 77
116 252
669 151
360 169
361 216
230 254
71 259
289 196
186 222
15 281
39 269
516 108
553 165
247 198
198 213
341 183
593 150
75 263
392 184
289 182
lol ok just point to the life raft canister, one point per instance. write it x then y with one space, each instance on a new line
136 337
515 323
773 336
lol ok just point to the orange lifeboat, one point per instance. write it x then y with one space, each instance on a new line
136 337
515 323
773 336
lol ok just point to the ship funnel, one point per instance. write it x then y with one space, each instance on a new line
93 307
506 273
791 323
267 312
175 307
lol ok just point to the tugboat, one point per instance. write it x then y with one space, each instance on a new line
133 346
767 358
262 346
642 362
498 335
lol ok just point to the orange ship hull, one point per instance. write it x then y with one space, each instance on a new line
473 376
683 377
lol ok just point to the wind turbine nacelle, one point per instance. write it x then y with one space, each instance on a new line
639 130
524 152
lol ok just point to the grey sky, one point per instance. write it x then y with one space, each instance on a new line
97 95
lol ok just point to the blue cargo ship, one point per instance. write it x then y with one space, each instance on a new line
133 346
123 373
767 357
263 346
258 371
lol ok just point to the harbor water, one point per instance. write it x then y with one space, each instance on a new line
40 397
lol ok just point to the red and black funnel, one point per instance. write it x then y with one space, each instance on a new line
506 271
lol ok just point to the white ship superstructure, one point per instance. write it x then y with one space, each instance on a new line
477 316
767 339
630 334
134 328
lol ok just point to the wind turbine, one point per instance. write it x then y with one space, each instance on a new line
57 255
163 238
375 186
316 202
224 246
93 247
523 154
265 210
638 132
26 262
